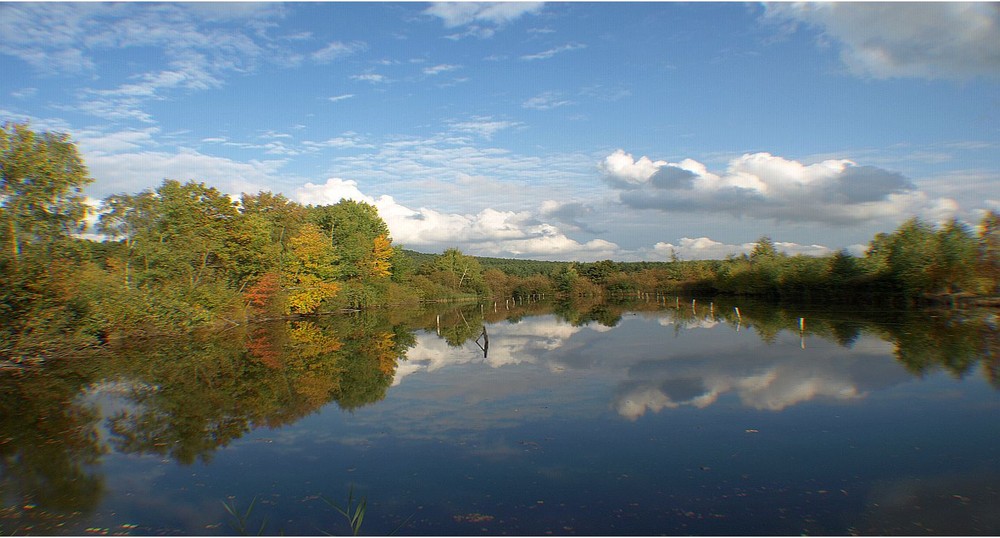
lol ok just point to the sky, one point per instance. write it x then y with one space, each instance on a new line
556 131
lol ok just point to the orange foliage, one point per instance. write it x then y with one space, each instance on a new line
261 346
261 294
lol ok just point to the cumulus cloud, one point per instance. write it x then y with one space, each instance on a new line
489 232
622 169
906 39
761 185
572 214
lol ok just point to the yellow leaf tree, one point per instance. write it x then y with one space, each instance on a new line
379 260
311 271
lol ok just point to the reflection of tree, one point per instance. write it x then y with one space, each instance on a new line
184 398
580 311
209 392
951 340
955 340
187 397
372 350
48 447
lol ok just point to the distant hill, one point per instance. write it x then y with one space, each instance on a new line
522 268
510 266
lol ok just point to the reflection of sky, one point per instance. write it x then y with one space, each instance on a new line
650 417
647 363
510 344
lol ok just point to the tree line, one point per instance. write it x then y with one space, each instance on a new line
919 262
185 255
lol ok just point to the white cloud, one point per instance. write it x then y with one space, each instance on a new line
348 140
483 126
97 143
198 45
336 98
24 93
461 13
546 101
907 39
336 49
373 78
761 185
136 171
622 166
545 55
441 68
489 232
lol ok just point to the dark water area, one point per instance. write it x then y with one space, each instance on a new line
643 418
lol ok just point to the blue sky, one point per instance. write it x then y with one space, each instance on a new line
566 131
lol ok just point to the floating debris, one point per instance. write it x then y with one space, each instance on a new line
472 517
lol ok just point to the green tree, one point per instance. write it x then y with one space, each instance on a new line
460 272
41 177
956 257
125 217
598 272
284 216
912 257
764 249
989 251
353 228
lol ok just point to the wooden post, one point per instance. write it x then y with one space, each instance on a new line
802 325
439 324
738 316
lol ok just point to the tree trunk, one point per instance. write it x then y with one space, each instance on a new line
15 246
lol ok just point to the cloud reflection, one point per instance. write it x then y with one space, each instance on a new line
647 366
510 344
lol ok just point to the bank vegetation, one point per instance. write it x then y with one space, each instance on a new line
185 256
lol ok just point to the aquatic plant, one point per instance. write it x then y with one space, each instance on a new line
355 514
241 520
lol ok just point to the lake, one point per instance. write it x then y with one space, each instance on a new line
659 416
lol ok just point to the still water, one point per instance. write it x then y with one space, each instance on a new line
660 417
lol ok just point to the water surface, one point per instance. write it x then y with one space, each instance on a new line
659 417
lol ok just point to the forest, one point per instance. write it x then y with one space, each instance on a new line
185 255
